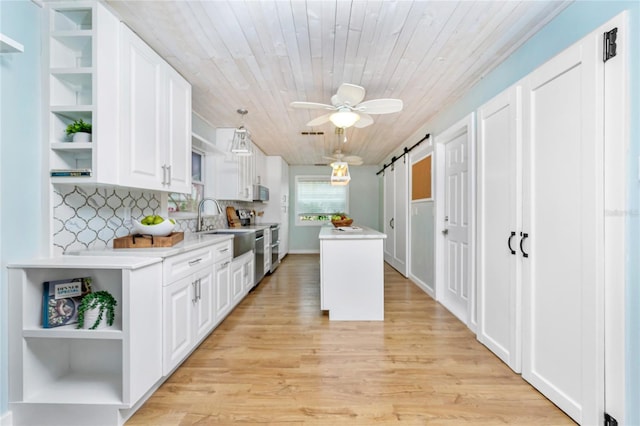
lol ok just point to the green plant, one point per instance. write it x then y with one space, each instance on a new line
101 300
78 126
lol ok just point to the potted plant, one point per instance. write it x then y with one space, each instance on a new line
79 131
93 308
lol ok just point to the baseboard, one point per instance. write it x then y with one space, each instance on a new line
423 286
6 419
304 251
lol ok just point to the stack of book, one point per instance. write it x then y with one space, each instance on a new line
70 172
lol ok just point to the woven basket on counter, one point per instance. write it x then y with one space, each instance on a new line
345 222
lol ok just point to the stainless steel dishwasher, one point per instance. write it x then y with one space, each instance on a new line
259 265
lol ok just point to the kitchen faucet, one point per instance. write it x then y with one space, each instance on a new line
200 220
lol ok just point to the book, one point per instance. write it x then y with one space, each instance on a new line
60 300
70 172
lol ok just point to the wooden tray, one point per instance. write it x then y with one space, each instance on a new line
146 241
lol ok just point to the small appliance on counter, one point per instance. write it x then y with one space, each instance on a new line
245 217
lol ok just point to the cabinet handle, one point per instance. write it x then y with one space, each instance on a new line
195 261
224 265
223 250
513 234
524 236
195 292
199 288
164 174
391 222
169 174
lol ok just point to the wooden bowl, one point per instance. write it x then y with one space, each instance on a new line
345 222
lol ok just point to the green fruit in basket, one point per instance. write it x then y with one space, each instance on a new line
147 220
172 221
158 220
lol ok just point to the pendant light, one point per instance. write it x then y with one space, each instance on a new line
241 144
340 173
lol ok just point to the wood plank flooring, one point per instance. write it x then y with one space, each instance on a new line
278 360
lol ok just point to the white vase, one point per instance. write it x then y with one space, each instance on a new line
81 137
90 318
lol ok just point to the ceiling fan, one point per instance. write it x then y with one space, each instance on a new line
338 156
347 108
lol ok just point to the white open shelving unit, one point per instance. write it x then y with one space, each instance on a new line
9 45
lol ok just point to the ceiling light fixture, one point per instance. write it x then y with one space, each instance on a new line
340 173
344 118
241 144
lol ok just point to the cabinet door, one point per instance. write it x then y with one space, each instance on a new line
237 281
143 150
178 301
223 289
203 315
249 273
499 217
178 160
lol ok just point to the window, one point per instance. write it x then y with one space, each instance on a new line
317 200
189 202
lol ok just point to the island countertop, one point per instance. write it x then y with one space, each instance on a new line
357 232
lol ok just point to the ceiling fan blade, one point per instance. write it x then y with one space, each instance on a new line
380 106
319 120
365 120
330 158
310 105
349 94
353 160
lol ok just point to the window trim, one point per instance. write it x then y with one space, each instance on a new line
325 178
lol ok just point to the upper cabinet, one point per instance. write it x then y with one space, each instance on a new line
139 107
155 120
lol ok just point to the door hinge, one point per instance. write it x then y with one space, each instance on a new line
610 46
609 420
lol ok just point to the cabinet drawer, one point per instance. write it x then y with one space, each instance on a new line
181 265
222 251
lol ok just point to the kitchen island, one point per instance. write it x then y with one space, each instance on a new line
352 273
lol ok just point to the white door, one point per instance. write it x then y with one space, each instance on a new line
389 210
456 227
177 323
143 152
395 215
179 132
562 239
499 217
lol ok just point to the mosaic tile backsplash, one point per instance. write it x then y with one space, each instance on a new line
90 217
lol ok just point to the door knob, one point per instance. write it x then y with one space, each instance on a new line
445 231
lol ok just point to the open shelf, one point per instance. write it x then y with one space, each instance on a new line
71 18
9 45
72 389
72 146
71 87
71 332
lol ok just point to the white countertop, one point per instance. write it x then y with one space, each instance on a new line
191 241
355 232
96 262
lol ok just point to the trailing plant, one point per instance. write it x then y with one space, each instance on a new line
78 126
101 300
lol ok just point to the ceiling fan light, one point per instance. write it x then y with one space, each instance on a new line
241 144
340 173
344 119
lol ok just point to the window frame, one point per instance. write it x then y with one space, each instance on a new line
308 178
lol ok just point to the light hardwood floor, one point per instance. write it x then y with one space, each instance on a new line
278 360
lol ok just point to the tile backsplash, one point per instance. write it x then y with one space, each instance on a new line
91 217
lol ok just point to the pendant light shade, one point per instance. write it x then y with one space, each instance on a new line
340 173
241 144
344 118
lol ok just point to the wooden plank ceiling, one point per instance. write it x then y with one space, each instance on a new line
262 55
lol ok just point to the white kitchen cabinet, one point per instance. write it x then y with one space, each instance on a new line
276 210
267 250
396 215
259 166
80 49
189 298
57 373
224 289
235 175
241 276
155 120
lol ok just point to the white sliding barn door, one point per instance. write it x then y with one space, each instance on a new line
499 222
395 215
563 229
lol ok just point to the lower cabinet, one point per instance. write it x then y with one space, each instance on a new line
70 376
223 289
242 273
188 315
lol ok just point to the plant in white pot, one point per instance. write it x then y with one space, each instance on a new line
93 308
79 131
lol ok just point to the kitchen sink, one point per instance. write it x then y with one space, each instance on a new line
244 240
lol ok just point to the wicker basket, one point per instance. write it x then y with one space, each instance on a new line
345 222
